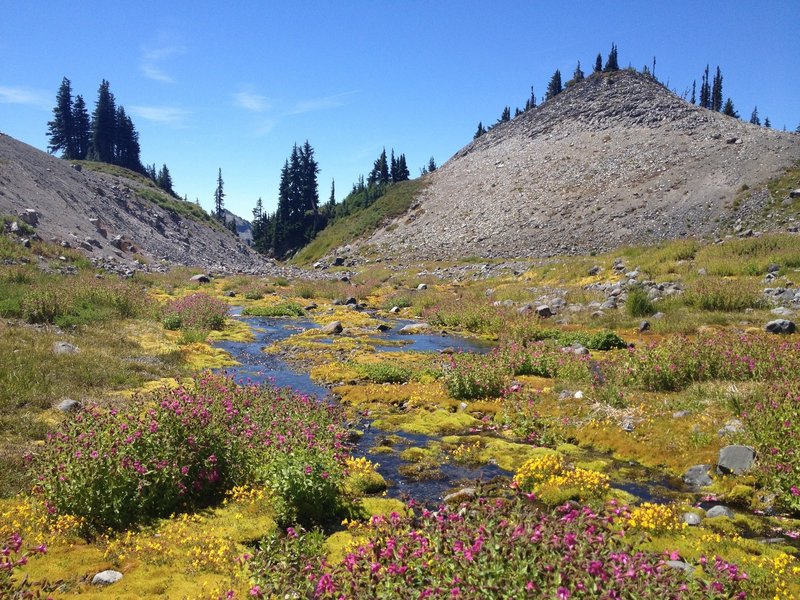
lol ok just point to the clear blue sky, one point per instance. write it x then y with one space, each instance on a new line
233 85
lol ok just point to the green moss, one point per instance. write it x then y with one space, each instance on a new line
437 422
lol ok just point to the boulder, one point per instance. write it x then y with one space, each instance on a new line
106 577
735 459
680 565
422 286
394 310
719 511
351 301
200 278
780 326
697 476
690 518
413 328
332 328
30 216
544 311
794 193
383 327
732 426
594 270
68 405
338 261
461 495
311 306
65 348
644 326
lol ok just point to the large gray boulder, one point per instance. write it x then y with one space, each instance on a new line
780 326
106 577
413 328
735 460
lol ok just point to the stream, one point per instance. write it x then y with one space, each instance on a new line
258 367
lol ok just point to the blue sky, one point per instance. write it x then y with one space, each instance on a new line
234 85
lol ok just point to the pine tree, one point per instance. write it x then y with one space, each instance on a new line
694 92
126 148
104 126
729 109
393 168
577 75
505 115
219 195
332 197
705 91
480 131
402 169
380 170
531 102
150 171
754 117
612 64
767 123
164 180
82 128
598 63
797 130
554 87
61 129
258 210
432 165
716 92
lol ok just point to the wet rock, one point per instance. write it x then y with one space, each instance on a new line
697 476
735 459
200 278
354 435
65 348
68 405
644 326
719 511
394 310
461 495
351 300
780 326
106 577
691 518
311 306
383 327
332 328
413 328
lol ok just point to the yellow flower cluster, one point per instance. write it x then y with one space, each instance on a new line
183 540
467 453
785 571
242 494
361 467
656 517
551 470
29 517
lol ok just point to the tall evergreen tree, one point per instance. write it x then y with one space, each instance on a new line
612 63
150 171
219 198
754 117
479 132
164 180
505 115
104 126
729 109
705 91
598 63
332 197
531 102
554 87
578 75
82 128
393 168
767 123
716 92
258 210
126 148
402 169
694 92
61 130
380 170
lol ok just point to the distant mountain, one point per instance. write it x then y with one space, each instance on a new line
243 227
114 214
615 159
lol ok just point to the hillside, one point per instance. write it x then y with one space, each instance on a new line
616 159
114 215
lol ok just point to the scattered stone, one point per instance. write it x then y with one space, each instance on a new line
627 424
422 286
794 193
780 326
595 270
522 310
354 435
578 395
659 315
200 278
697 476
394 310
65 348
69 405
14 227
644 326
731 427
230 294
719 511
680 414
332 328
680 565
691 518
311 306
338 261
597 314
413 328
448 350
461 495
30 216
106 577
544 311
26 243
384 327
773 268
565 395
782 311
735 459
350 300
463 406
609 304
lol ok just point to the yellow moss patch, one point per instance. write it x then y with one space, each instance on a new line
507 455
437 422
234 331
333 372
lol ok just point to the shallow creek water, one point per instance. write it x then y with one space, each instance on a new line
258 367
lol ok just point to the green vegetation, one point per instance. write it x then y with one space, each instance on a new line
282 309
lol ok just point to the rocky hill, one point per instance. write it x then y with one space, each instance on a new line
114 215
615 159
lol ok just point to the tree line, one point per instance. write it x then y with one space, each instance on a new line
107 136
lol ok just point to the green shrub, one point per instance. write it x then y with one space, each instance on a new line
383 372
725 295
638 303
283 309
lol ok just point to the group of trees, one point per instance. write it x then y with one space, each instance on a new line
711 98
108 136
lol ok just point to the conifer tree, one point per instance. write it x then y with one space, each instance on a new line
554 87
578 74
82 128
505 115
694 92
126 147
258 210
767 124
716 92
219 195
598 63
705 91
531 102
380 170
480 131
402 168
797 129
431 165
150 171
754 119
61 130
729 109
612 63
104 125
164 180
332 197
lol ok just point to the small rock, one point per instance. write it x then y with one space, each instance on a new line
463 406
200 278
578 395
697 476
383 327
30 216
106 577
65 348
69 405
627 424
780 326
544 311
459 496
680 565
413 328
691 518
351 300
422 286
338 261
565 395
719 511
681 414
659 315
794 193
594 270
394 310
230 294
311 306
26 243
773 268
644 326
732 426
735 459
782 311
332 328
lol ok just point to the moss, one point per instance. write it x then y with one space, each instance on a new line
415 454
437 422
509 456
362 484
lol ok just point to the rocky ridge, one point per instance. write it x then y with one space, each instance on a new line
616 159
